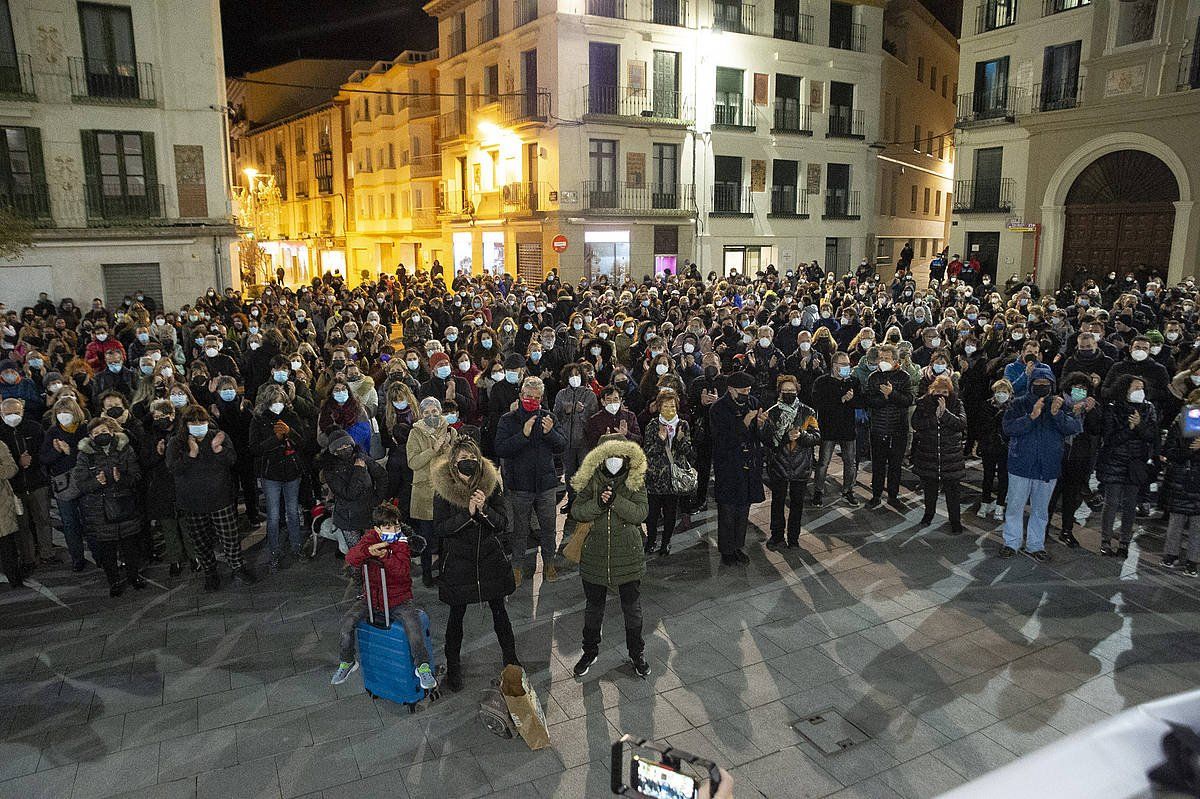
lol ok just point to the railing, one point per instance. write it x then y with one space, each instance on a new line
841 204
103 203
731 199
1057 96
794 27
669 12
665 198
98 79
791 117
734 111
639 103
424 218
489 27
425 166
846 123
992 105
527 106
453 124
323 171
1051 7
525 197
524 12
1189 72
30 202
733 17
983 196
995 14
788 201
16 74
422 105
848 36
614 9
458 41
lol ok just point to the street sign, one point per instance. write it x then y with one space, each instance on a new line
1017 225
559 243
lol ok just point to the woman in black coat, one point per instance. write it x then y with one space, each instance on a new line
1130 440
470 521
1079 454
108 477
279 447
1182 482
939 425
788 438
396 421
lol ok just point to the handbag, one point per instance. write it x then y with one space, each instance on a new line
684 479
573 551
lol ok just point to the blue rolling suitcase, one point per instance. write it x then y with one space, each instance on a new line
383 653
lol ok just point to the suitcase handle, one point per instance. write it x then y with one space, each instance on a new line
387 610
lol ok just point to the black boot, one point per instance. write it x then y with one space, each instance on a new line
454 678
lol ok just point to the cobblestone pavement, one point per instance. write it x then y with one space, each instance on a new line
947 661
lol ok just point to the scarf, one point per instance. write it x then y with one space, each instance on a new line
787 415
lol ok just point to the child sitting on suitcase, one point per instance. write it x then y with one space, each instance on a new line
385 547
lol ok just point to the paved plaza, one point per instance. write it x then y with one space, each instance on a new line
945 662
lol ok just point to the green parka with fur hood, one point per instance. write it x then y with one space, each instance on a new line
612 554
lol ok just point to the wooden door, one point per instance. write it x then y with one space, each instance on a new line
1116 237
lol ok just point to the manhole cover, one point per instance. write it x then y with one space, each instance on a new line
829 731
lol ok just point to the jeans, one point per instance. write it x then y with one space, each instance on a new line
500 623
289 492
795 509
1119 498
995 474
524 504
951 489
666 506
849 466
72 527
1037 493
593 617
408 614
35 524
1176 527
887 458
731 527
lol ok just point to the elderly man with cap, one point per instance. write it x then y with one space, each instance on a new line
735 420
443 385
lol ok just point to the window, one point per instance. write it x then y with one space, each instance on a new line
301 144
920 69
840 201
991 89
602 78
731 15
844 34
937 203
324 133
924 248
916 138
664 164
941 148
121 174
788 108
913 203
925 207
491 83
996 14
666 84
22 173
727 184
783 187
933 77
391 158
945 82
1060 77
1135 21
602 167
728 109
789 24
929 144
368 163
110 62
986 184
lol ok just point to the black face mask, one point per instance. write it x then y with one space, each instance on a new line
787 398
1087 355
1041 390
339 364
164 423
711 372
467 467
103 439
115 412
346 453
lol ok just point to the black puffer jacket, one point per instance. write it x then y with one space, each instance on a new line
356 489
1125 454
836 417
1183 474
205 483
789 460
992 441
475 565
889 414
118 495
938 441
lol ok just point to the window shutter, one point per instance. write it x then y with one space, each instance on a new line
154 194
94 193
37 171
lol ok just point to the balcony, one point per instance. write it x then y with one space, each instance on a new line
426 166
323 171
424 218
734 111
29 202
792 118
489 27
524 12
794 27
669 12
643 105
731 199
1052 7
103 81
788 203
662 200
453 125
518 199
846 123
733 17
992 106
16 75
422 106
848 36
841 204
1057 96
983 196
528 107
107 203
993 15
613 9
457 44
1188 76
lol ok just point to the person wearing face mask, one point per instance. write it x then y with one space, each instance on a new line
1037 426
10 558
444 385
1089 359
278 447
788 438
703 390
1139 363
1124 465
215 360
396 422
993 450
107 476
669 472
736 420
612 416
201 460
363 389
611 496
24 436
356 483
939 364
158 495
429 438
342 411
1020 370
574 405
416 329
233 413
102 341
60 446
888 395
837 397
939 423
115 377
764 363
470 519
1079 456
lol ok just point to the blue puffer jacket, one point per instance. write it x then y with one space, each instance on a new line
1035 446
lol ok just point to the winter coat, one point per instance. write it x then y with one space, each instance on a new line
789 461
737 456
992 440
8 501
205 483
658 466
1125 453
475 564
437 388
1035 446
602 423
421 454
574 421
836 417
889 414
26 438
356 489
1153 375
279 460
938 441
527 462
158 485
55 462
612 553
396 564
1182 479
121 497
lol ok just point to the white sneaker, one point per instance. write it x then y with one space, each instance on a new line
998 512
344 670
985 508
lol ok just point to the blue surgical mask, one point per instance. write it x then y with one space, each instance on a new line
115 368
227 394
938 368
179 400
452 337
340 397
843 372
1078 394
535 356
443 372
198 430
143 337
511 376
451 418
147 370
36 363
280 376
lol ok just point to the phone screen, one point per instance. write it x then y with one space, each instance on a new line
1191 422
656 781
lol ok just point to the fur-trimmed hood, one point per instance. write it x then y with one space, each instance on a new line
612 447
120 442
447 485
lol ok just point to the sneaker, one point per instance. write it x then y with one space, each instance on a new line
852 500
1042 556
1189 568
896 504
926 520
175 569
275 563
425 674
243 576
985 508
641 667
998 512
648 546
876 503
585 663
1006 552
1107 551
955 530
664 552
212 581
775 544
454 680
79 565
817 502
1069 540
729 560
1170 561
344 670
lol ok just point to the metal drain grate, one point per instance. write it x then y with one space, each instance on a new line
829 731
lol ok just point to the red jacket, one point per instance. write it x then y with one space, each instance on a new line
94 354
396 566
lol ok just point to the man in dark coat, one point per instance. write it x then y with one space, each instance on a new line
737 460
888 394
23 434
702 392
939 424
1139 364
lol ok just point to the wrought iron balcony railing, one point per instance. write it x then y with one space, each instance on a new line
526 106
30 202
16 74
733 111
794 27
791 117
644 105
731 199
993 196
848 36
733 17
1057 95
789 201
98 79
846 123
111 203
662 199
841 204
990 106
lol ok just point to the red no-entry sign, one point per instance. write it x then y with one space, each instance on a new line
559 243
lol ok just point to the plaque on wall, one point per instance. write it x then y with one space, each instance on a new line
816 94
1127 80
814 179
190 183
635 170
760 88
758 175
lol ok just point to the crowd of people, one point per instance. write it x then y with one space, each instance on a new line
462 420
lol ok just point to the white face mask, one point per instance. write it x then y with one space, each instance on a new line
661 369
612 407
210 352
575 381
969 349
12 419
613 464
885 366
805 346
1139 355
1001 397
1155 349
275 407
65 418
764 342
1135 397
935 342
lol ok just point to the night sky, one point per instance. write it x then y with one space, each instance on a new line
260 33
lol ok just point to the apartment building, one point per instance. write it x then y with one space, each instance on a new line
396 164
1076 145
617 137
916 160
113 147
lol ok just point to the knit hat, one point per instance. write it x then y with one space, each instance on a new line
52 377
1155 337
438 359
514 361
739 380
339 438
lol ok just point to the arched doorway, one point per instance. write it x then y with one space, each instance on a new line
1120 215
